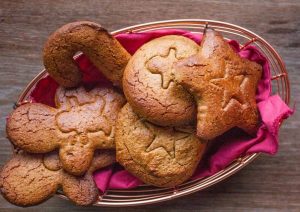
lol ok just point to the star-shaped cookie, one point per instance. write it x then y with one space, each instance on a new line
223 85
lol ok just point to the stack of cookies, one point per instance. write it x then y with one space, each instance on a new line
167 101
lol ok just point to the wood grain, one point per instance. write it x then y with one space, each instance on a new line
268 184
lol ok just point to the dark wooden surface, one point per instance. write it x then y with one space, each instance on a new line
270 183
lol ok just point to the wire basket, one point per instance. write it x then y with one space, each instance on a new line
146 194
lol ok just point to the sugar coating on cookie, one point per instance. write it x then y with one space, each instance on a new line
82 122
148 82
160 156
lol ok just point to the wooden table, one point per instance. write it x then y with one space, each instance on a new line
269 183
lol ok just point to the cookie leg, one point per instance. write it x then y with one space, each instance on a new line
81 190
76 158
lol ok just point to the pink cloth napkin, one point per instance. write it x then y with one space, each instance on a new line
224 149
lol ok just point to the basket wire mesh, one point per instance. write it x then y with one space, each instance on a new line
146 194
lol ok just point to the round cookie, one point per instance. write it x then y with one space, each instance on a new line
148 81
160 156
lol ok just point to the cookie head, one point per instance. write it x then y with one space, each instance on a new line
148 82
160 156
223 85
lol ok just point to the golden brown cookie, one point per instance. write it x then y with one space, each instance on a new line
105 52
160 156
224 86
29 179
148 82
82 122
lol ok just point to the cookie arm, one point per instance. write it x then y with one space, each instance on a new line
32 128
102 158
105 52
76 157
82 190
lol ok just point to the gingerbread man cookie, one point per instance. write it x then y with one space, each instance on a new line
104 51
82 122
224 87
160 156
29 179
148 81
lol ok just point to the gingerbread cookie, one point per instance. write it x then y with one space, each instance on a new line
82 122
224 87
148 82
105 52
160 156
29 179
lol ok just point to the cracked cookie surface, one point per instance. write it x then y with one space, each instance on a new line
29 179
148 82
160 156
224 87
82 122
